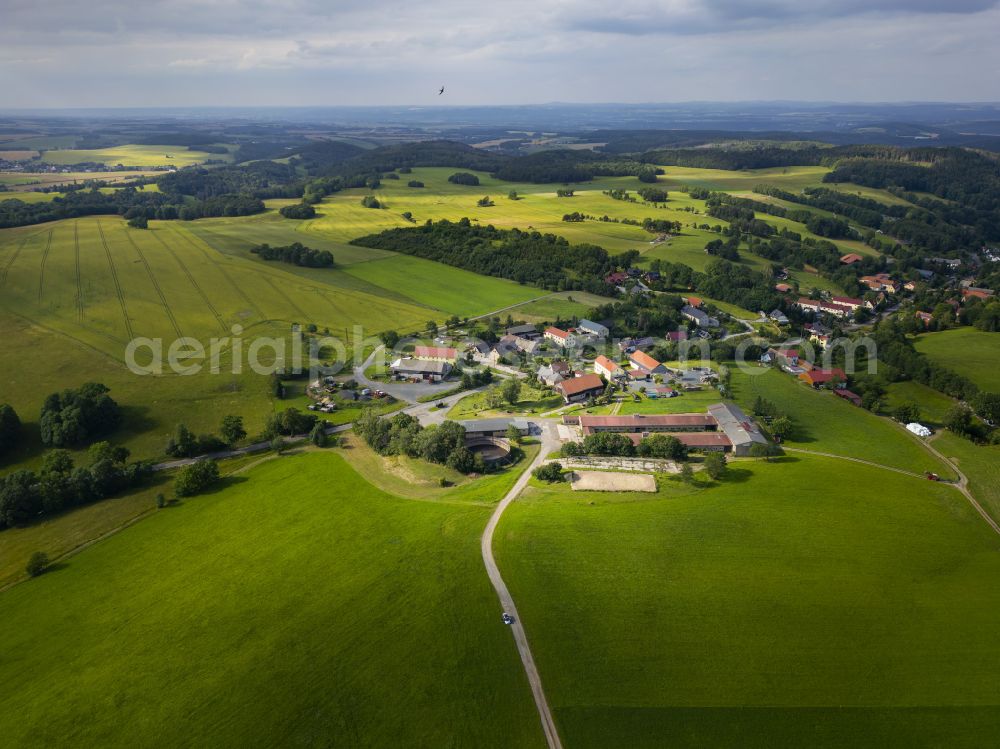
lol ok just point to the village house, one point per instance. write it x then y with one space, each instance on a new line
547 375
645 365
607 369
783 288
628 345
880 282
616 279
559 337
830 308
693 301
698 317
974 292
580 388
676 336
925 317
851 258
778 317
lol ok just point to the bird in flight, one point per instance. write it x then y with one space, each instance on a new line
441 91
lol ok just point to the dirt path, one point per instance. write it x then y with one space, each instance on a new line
507 600
963 486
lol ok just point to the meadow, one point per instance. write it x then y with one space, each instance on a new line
766 610
970 352
825 423
132 155
298 605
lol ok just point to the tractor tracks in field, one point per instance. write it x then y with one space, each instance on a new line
79 277
193 282
156 285
117 283
236 287
41 272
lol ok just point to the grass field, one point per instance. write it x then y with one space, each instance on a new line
768 610
563 305
325 614
452 290
825 423
104 284
132 155
532 400
979 463
933 405
33 181
970 352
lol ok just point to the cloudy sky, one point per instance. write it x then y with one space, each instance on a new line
66 53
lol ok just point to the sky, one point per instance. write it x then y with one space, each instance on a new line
113 53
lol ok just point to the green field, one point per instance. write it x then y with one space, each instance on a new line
826 423
769 610
326 613
132 155
970 352
31 180
104 284
933 405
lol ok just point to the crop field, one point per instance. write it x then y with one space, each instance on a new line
132 155
329 612
103 283
766 610
825 423
33 181
970 352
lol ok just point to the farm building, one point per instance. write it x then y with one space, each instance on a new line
435 353
820 377
479 428
523 331
420 369
739 428
593 329
580 388
851 258
848 395
648 423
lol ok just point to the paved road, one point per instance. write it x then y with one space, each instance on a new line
549 443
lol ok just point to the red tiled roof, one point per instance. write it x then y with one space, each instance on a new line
606 363
434 352
644 421
578 385
644 360
557 333
851 257
820 376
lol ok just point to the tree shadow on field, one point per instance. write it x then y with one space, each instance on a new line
736 475
135 420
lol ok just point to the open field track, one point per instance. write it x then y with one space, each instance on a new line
156 285
194 283
80 304
41 270
185 235
118 287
